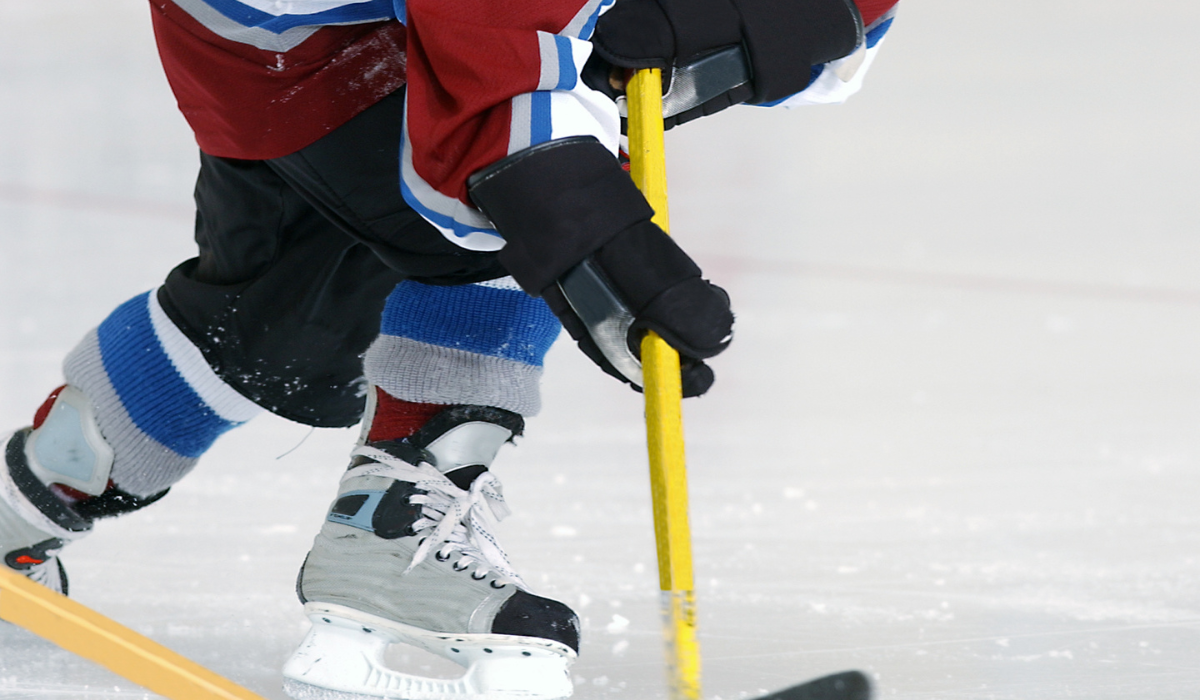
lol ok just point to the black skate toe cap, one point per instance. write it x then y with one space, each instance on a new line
528 615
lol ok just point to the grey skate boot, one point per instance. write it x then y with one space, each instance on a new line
64 448
407 555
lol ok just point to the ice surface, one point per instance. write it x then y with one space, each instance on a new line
955 443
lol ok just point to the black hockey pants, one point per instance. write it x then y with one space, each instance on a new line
297 255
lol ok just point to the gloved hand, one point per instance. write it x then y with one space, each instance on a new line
782 40
578 233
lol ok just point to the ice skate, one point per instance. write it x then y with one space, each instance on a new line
407 555
65 449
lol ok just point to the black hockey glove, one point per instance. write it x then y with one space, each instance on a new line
578 233
719 53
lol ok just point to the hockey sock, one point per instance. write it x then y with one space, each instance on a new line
477 344
155 401
395 419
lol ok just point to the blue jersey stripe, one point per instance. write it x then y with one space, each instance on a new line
157 398
540 125
445 221
567 73
346 14
877 33
504 323
590 26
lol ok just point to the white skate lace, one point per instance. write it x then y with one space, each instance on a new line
452 519
46 574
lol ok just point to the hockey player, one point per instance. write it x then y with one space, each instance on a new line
397 206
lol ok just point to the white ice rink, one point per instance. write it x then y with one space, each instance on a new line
955 444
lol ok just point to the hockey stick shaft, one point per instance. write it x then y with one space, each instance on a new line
89 634
664 416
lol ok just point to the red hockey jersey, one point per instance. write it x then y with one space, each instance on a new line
259 79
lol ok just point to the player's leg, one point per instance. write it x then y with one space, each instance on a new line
407 552
407 549
148 391
138 408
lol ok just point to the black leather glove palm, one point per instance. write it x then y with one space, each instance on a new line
777 42
578 233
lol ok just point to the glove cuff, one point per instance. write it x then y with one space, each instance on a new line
810 33
554 204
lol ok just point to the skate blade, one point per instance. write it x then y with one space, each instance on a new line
342 658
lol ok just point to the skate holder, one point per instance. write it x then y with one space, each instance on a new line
344 653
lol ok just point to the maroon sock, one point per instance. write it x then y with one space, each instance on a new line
395 419
43 411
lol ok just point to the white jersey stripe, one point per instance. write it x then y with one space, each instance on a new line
298 7
230 30
195 370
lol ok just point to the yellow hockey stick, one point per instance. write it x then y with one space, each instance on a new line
81 630
664 435
664 418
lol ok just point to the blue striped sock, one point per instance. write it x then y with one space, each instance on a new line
158 402
480 344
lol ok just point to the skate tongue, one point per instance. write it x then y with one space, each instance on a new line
465 435
462 452
467 445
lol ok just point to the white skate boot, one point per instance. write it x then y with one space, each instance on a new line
65 448
407 555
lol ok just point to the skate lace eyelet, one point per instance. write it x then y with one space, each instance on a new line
439 557
460 568
502 585
478 576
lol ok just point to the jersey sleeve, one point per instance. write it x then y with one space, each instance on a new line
487 78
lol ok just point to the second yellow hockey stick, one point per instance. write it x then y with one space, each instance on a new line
81 630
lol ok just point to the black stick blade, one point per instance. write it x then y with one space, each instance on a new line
847 685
